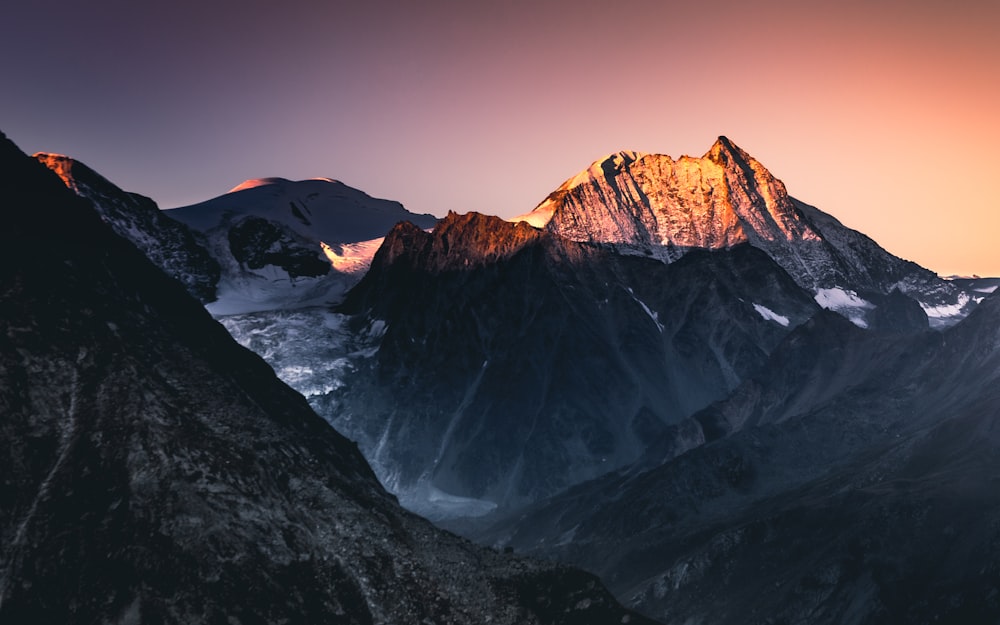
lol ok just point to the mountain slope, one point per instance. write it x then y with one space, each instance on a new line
285 244
853 480
505 363
171 246
157 472
651 204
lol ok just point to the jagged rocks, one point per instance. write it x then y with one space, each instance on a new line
155 471
171 246
651 204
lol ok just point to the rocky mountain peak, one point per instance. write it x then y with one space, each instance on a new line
170 245
74 174
651 204
724 151
459 241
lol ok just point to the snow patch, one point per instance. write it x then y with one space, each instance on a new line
253 183
837 298
770 315
845 302
539 217
988 289
652 314
947 311
351 258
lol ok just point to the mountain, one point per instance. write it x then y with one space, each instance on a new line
155 471
284 244
650 204
171 246
853 480
497 363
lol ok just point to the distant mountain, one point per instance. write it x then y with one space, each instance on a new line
154 471
503 363
852 480
171 246
650 204
284 244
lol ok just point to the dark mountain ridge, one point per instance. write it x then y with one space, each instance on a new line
170 245
157 472
852 480
513 362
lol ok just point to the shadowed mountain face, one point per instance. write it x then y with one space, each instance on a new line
170 245
853 481
154 471
511 363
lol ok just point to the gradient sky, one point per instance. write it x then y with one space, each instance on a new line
885 114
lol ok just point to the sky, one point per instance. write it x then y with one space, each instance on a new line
883 113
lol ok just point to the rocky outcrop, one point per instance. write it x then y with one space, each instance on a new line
154 471
505 362
651 204
171 246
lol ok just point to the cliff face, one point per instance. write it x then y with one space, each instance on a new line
505 362
648 201
154 471
651 204
170 245
852 480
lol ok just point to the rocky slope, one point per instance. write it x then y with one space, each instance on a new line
155 471
170 245
651 204
852 481
285 245
504 363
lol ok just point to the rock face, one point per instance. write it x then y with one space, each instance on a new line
654 205
171 246
284 245
852 480
154 471
505 363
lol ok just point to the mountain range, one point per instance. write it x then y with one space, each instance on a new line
284 244
717 397
155 471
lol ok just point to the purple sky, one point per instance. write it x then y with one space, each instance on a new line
883 113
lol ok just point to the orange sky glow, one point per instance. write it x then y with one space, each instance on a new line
882 113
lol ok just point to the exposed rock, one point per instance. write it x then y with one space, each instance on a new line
506 363
852 480
154 471
651 204
171 246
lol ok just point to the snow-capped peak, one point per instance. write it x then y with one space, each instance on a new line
603 167
253 183
650 201
600 169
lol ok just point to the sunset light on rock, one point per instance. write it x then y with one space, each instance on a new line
523 313
882 114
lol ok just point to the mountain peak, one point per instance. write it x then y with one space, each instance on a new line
724 150
651 204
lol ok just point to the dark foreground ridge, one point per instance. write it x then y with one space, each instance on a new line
154 471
